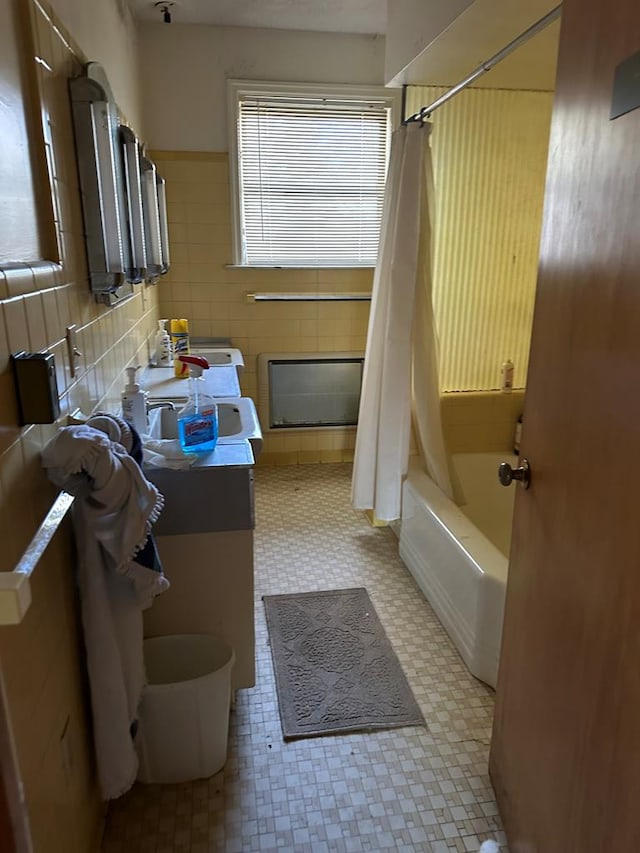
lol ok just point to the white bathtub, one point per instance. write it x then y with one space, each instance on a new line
459 555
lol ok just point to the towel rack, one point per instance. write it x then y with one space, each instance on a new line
353 296
15 592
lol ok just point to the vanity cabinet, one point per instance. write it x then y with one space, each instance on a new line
205 541
205 531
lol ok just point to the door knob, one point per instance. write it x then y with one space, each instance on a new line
507 474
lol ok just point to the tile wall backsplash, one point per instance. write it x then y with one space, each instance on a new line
38 302
41 658
43 674
203 287
480 420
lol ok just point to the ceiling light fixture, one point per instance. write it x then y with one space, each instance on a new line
165 8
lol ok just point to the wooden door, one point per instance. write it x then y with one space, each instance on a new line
565 755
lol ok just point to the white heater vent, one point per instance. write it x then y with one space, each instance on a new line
317 390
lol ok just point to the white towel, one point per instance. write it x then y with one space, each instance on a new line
114 508
165 453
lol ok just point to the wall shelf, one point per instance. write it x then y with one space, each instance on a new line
353 296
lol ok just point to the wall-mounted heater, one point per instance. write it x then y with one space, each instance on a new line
318 390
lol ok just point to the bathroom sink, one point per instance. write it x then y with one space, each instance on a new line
237 420
161 383
219 355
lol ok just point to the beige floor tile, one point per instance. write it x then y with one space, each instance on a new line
410 789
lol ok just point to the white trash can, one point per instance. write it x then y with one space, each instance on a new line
184 713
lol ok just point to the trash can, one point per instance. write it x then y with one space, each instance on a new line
184 713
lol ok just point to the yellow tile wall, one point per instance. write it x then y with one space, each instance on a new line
202 287
41 659
480 420
43 674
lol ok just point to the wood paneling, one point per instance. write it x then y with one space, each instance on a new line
564 756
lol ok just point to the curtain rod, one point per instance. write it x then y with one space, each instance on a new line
534 29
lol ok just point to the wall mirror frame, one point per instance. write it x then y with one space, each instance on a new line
31 244
29 239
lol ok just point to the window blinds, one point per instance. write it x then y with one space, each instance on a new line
311 181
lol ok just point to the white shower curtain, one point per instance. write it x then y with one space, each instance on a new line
401 367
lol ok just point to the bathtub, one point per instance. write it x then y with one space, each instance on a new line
459 555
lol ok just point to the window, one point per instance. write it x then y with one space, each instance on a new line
309 169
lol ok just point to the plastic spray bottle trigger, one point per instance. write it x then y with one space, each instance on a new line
198 420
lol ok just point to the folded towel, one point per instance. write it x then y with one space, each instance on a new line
165 453
114 508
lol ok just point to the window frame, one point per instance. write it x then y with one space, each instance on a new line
238 89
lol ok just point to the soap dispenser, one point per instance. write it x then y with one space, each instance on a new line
163 345
134 403
198 420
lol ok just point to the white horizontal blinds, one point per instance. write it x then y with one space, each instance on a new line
312 176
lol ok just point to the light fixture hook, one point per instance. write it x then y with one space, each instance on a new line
165 7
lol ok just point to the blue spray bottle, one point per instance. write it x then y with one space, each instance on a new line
198 419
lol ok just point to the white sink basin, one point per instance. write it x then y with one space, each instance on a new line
161 383
237 420
219 355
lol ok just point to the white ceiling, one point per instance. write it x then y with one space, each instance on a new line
337 16
478 33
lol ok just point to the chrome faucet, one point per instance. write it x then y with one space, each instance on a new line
162 404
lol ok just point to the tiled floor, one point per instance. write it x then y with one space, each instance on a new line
409 789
